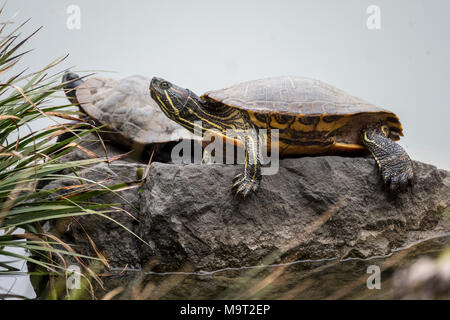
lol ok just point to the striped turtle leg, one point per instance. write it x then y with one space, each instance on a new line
395 166
250 179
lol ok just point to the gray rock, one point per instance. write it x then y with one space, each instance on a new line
90 147
314 208
320 222
118 245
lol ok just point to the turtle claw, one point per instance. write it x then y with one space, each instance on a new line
386 180
405 182
245 186
395 183
237 177
411 181
399 181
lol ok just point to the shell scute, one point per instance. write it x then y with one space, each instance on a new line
307 100
126 107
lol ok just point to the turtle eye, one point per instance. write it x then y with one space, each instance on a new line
164 85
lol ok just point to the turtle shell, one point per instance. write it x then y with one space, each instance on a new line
311 116
126 107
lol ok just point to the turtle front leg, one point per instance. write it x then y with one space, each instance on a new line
250 179
393 162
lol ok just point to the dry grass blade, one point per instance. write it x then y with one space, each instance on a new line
61 115
69 249
147 169
110 295
86 151
94 246
8 116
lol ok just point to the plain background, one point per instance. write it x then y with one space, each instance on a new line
206 45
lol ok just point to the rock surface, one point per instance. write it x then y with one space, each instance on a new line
114 242
315 209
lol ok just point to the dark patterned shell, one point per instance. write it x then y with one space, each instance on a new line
299 97
126 107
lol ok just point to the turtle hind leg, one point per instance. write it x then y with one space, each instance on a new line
393 162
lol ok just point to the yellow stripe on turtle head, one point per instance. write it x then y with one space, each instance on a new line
175 110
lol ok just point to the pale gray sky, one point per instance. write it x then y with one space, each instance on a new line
206 45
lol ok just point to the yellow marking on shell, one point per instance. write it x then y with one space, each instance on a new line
289 149
395 124
274 124
254 120
348 146
331 126
298 126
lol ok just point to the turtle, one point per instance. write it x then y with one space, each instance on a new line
132 119
312 118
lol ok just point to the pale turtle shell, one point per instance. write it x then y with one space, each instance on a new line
125 106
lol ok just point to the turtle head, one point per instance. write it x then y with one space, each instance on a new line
70 81
177 103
